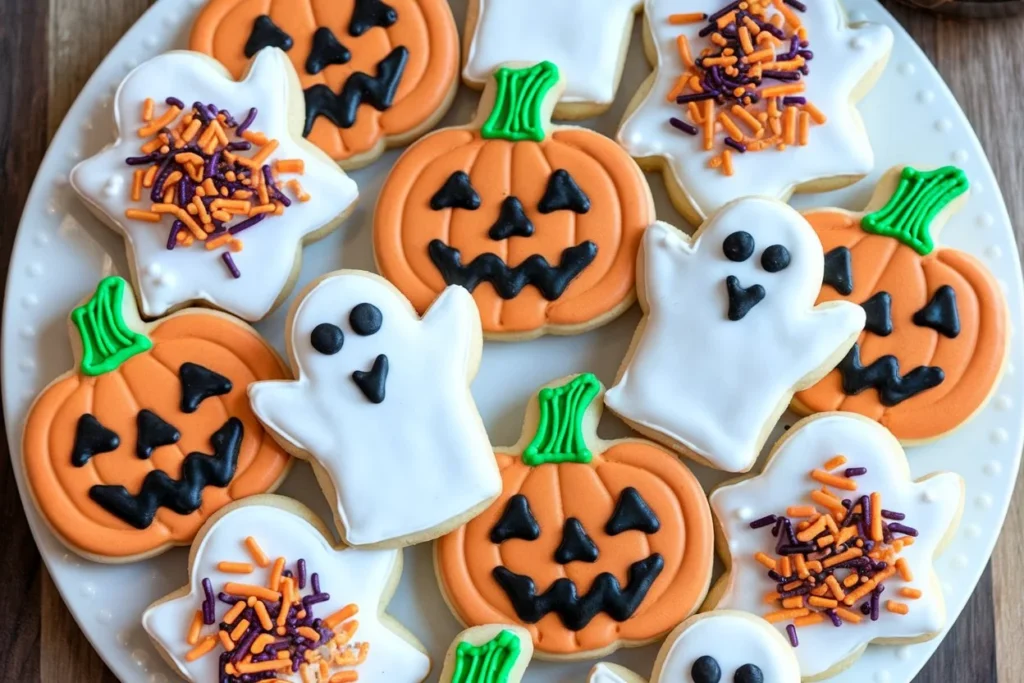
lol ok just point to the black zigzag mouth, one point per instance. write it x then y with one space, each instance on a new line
606 595
377 91
508 282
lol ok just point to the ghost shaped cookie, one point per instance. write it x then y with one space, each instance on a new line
382 408
834 542
729 332
271 597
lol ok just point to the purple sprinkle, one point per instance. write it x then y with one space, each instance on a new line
707 30
802 590
781 75
898 528
314 582
679 124
725 10
246 122
175 102
764 521
865 608
898 516
735 144
230 263
775 576
796 549
157 195
791 631
245 643
865 510
208 615
797 5
239 146
246 224
211 164
302 563
836 621
140 161
172 236
849 471
229 599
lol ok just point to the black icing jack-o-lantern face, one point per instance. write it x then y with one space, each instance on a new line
366 320
738 247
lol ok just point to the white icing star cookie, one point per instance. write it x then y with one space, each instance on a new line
780 81
382 408
587 40
272 549
211 184
602 672
730 330
855 544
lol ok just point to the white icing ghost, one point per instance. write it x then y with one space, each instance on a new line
166 279
604 673
932 506
349 576
416 462
585 39
844 56
709 383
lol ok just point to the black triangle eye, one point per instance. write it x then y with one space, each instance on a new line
367 14
940 313
265 33
576 545
92 438
153 432
198 384
456 193
326 51
748 673
878 314
517 521
563 193
706 670
632 513
512 221
839 271
739 246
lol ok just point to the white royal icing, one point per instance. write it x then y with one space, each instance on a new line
710 383
407 465
270 248
931 506
602 673
843 56
349 576
733 639
585 39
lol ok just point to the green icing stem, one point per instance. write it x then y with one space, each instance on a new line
518 103
107 341
559 436
491 662
918 198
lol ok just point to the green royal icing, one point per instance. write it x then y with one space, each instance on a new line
491 662
517 113
919 197
107 341
559 436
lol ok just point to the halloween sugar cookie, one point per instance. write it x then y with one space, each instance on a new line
587 41
935 342
834 543
151 433
211 185
270 597
592 545
375 73
382 408
756 100
541 223
729 331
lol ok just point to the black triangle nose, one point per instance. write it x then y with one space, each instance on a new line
512 221
741 299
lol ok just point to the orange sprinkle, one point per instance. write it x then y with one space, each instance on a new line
275 573
225 640
140 215
745 42
297 190
234 612
730 127
823 602
815 566
246 590
837 461
801 511
814 618
876 516
677 89
827 500
819 591
785 569
194 628
261 642
801 566
786 614
815 113
851 580
191 130
804 128
747 118
835 481
868 586
850 554
765 560
150 176
751 26
720 61
263 208
147 109
847 615
826 541
780 90
290 166
789 125
695 114
346 612
255 137
791 19
811 531
896 607
344 677
770 598
831 525
794 602
263 615
911 593
727 162
726 19
903 567
240 629
686 18
709 124
257 667
206 646
834 587
153 126
760 56
307 632
261 156
791 585
719 40
786 64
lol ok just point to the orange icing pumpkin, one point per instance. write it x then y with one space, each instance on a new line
128 454
542 223
936 335
376 73
592 544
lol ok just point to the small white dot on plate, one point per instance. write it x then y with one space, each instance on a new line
124 638
71 559
907 69
993 251
88 589
858 17
943 125
104 616
960 561
51 208
141 657
150 41
883 676
27 364
42 239
744 514
87 126
993 468
74 154
158 678
925 97
28 332
1003 402
999 435
734 545
959 156
154 269
29 300
972 531
35 269
903 652
858 43
984 501
985 220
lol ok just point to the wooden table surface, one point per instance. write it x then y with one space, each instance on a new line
50 48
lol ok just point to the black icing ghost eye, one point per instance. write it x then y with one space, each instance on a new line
563 193
327 339
706 669
775 258
365 319
748 673
738 246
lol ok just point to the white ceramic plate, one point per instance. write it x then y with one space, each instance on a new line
61 250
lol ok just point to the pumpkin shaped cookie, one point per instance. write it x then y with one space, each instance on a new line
129 453
376 73
935 342
591 545
542 223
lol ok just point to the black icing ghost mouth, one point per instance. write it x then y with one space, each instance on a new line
738 247
606 595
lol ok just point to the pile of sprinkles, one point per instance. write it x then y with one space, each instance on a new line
834 557
268 632
194 169
749 82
